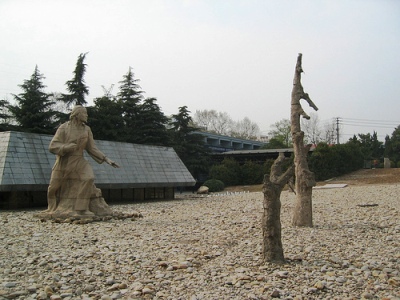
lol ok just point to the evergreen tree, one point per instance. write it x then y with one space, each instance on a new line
152 124
105 119
388 146
130 97
275 143
369 144
76 86
392 146
33 111
4 111
4 116
189 146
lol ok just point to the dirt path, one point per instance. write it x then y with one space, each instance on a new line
360 177
370 176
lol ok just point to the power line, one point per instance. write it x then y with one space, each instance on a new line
368 124
355 122
369 120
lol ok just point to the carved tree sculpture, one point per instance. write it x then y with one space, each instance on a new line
305 179
271 221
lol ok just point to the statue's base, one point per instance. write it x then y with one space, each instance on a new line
76 218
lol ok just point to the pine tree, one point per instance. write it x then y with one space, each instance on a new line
392 146
76 86
33 111
105 119
4 116
130 97
152 124
189 146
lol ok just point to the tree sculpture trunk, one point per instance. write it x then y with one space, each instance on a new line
304 178
271 221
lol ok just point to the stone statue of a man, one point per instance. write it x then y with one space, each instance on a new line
72 187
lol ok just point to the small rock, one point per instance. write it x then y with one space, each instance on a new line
147 291
89 288
375 273
319 285
48 290
16 294
137 286
114 287
308 249
394 281
341 279
366 295
31 289
9 284
282 274
275 294
42 295
122 286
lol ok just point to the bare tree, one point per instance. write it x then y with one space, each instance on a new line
221 123
213 121
245 129
271 219
311 128
202 118
329 132
305 179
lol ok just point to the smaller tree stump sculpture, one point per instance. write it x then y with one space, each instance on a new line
271 220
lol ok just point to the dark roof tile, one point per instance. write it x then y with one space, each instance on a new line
26 163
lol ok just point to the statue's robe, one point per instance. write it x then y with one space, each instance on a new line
72 185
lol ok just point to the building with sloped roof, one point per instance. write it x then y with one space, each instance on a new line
145 173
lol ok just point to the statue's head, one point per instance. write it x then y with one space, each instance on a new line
78 113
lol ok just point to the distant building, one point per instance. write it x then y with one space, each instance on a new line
264 138
147 172
258 156
222 143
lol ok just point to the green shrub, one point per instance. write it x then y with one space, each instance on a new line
214 185
228 172
252 173
335 160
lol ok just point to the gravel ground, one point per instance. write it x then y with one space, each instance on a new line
209 248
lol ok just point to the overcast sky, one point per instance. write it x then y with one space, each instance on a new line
234 56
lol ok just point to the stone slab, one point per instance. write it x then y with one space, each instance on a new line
330 186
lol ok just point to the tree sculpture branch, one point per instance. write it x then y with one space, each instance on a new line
298 92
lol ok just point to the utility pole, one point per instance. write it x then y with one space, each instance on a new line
337 130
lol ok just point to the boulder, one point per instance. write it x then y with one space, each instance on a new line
202 190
